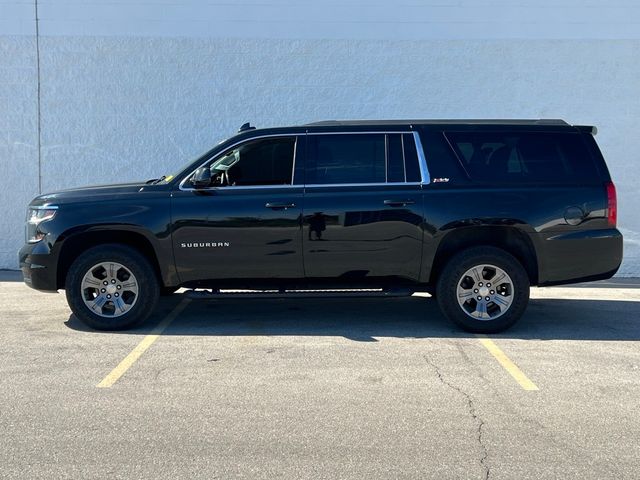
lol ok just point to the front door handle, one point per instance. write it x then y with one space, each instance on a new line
279 206
399 203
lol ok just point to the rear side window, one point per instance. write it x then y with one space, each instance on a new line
395 159
524 157
335 159
361 158
411 158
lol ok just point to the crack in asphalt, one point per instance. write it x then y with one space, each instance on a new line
472 413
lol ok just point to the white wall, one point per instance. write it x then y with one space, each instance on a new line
133 89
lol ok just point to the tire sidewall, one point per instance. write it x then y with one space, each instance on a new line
458 265
148 287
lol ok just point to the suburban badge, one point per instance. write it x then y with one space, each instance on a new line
204 244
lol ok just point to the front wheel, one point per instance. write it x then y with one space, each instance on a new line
483 289
111 287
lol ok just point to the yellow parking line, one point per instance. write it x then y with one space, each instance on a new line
507 364
142 347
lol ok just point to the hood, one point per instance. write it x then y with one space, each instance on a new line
95 193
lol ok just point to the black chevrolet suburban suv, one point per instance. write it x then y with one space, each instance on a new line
471 211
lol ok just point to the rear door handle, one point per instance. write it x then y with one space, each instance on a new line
399 203
279 206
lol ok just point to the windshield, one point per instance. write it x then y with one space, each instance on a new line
225 163
167 178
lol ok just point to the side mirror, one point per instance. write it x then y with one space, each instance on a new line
201 178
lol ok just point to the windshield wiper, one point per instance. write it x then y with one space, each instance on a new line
155 181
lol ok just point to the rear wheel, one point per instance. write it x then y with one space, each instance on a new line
111 287
483 289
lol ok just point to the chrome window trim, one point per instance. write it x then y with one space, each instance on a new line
422 161
244 187
311 185
368 132
379 184
424 172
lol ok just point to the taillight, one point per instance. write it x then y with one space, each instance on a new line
612 204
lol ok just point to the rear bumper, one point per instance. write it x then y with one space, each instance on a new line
579 256
38 266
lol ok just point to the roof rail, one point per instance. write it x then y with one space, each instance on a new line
461 121
551 121
323 123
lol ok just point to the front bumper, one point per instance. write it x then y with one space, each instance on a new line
38 266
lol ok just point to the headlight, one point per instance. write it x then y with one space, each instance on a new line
35 216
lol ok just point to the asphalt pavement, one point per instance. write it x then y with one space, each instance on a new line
322 388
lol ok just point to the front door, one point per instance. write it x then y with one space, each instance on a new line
247 223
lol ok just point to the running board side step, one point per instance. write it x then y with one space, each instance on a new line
285 293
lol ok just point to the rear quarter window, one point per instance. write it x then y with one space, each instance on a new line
444 167
525 157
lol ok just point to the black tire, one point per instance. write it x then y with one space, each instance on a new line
146 280
452 275
166 291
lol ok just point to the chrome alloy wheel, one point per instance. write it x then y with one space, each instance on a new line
109 289
485 292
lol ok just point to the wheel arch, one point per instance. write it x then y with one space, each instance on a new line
74 243
508 238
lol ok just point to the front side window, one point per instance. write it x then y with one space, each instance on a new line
267 161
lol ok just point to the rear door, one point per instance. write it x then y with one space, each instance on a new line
363 206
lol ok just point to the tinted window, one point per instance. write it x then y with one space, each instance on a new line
524 157
411 158
357 158
395 159
260 162
444 166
